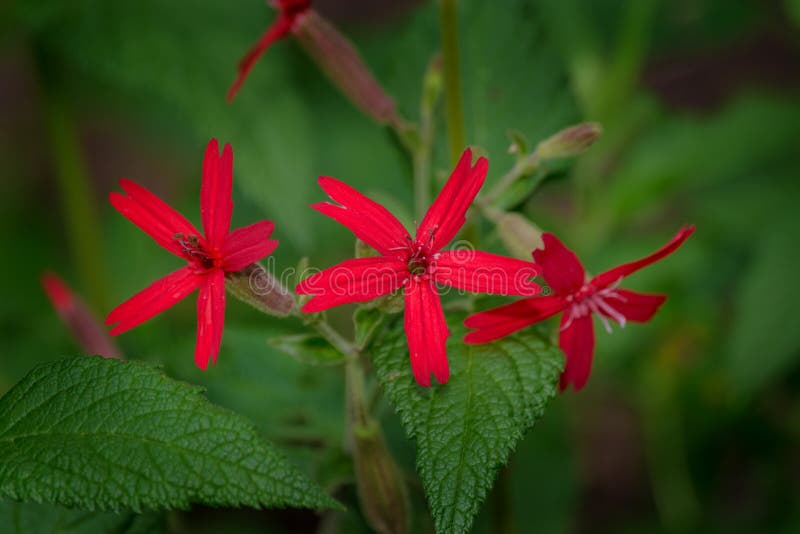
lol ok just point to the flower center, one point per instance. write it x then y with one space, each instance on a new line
418 261
588 300
194 251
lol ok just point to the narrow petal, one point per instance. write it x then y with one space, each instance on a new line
427 333
561 268
617 273
368 220
216 205
447 214
278 30
151 301
247 245
576 339
154 216
504 320
481 272
210 318
356 280
634 306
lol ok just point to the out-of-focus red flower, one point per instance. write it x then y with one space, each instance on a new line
82 323
578 299
209 256
331 51
416 264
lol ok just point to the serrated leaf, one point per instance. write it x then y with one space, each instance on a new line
103 435
466 428
25 518
310 349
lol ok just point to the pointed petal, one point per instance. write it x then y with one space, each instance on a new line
447 214
153 215
481 272
427 333
617 273
576 339
247 245
561 268
504 320
278 30
159 296
356 280
210 318
634 306
216 205
368 220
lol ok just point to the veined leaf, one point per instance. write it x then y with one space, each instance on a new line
24 518
466 429
103 435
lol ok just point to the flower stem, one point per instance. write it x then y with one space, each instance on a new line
335 338
448 23
82 224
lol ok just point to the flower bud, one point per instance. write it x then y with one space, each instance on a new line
519 235
342 63
260 289
381 491
570 141
82 324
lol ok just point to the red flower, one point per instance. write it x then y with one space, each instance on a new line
289 11
209 256
578 299
416 265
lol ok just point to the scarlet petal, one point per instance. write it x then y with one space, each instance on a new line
153 215
247 245
371 222
576 339
427 333
159 296
504 320
561 268
635 306
614 275
481 272
216 205
447 214
60 295
356 280
278 30
210 318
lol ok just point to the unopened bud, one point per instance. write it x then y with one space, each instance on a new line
432 85
257 287
519 235
342 63
570 141
381 490
82 323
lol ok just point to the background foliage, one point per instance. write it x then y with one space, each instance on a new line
689 422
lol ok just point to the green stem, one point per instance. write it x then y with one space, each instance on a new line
421 157
523 167
448 23
335 338
82 223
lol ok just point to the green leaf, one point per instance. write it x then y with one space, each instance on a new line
466 429
24 518
103 435
310 349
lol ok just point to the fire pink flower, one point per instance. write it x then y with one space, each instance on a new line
578 298
416 264
209 256
288 12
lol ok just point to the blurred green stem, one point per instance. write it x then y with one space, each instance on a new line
448 23
82 223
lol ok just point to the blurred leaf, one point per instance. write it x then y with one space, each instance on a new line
26 518
310 349
466 429
763 344
103 434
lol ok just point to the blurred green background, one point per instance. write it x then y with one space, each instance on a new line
690 422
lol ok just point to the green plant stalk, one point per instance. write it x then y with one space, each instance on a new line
82 223
448 23
421 157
